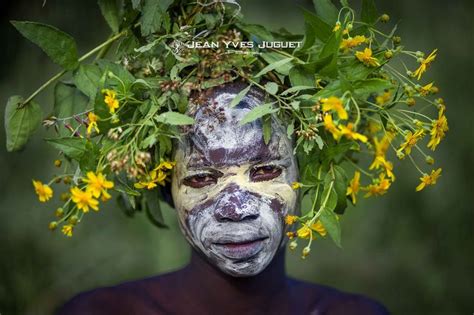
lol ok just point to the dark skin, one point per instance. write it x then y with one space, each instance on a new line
200 288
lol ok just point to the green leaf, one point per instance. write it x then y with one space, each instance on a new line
273 57
110 11
267 129
271 88
295 89
118 70
151 201
331 224
326 10
68 100
321 29
239 97
300 77
127 203
330 195
290 130
137 4
258 112
340 187
153 15
87 78
21 121
88 162
371 86
256 30
274 66
369 12
174 118
59 46
74 148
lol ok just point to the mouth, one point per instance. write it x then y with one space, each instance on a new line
240 250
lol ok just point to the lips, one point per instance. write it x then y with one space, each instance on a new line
240 250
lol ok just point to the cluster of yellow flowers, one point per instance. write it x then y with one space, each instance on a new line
345 117
86 192
81 197
158 175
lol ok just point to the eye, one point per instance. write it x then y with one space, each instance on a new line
200 180
263 173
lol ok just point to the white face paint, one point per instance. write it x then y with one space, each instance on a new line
231 191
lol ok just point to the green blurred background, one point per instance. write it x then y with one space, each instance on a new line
411 251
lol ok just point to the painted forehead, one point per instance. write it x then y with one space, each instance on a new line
218 139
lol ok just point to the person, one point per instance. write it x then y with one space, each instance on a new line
231 192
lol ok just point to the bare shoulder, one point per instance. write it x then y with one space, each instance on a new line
141 297
324 300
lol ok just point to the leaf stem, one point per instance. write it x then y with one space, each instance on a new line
63 72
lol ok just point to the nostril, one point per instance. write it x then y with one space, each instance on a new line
250 217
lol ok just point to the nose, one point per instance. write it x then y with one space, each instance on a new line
235 205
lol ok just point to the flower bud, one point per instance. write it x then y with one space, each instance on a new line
74 219
306 251
434 90
65 196
420 60
397 40
420 54
58 163
385 18
293 245
67 180
411 102
388 54
400 155
409 73
59 212
429 160
53 225
349 27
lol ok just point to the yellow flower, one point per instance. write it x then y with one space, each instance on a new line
366 58
380 161
97 184
378 188
296 185
410 141
290 219
354 186
43 191
337 27
150 181
92 123
334 103
383 98
111 100
165 165
425 90
381 146
352 42
424 64
331 127
67 230
84 199
348 132
306 232
427 180
439 129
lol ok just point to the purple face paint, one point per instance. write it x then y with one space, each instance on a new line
230 189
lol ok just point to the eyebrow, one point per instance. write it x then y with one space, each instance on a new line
203 164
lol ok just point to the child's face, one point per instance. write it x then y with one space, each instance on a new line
231 190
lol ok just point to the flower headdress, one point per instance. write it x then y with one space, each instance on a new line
345 92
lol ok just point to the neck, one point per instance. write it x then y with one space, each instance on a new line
221 291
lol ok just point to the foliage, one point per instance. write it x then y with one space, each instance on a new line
340 93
